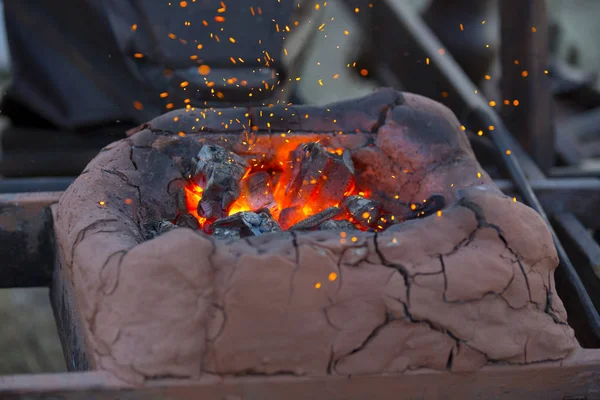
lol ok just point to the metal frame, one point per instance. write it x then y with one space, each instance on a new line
563 198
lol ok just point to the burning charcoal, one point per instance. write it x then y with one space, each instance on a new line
319 177
290 216
314 221
188 221
246 224
181 201
258 191
430 206
220 171
211 155
365 212
337 225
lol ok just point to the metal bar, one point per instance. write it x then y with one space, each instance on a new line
524 59
26 239
585 254
583 239
577 196
567 147
583 126
572 378
579 171
470 107
24 185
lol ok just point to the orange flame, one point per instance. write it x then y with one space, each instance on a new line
193 195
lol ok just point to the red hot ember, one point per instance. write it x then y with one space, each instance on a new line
316 190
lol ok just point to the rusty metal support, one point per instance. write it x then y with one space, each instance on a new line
26 239
525 83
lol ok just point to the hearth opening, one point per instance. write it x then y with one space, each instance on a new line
312 187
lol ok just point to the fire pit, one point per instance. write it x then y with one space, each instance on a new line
357 238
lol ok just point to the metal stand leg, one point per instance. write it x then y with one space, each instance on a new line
525 83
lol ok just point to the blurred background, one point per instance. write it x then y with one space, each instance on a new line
52 122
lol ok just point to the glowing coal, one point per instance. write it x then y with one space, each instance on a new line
315 190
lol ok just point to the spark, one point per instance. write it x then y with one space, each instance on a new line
204 69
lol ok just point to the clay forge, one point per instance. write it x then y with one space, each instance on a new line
357 238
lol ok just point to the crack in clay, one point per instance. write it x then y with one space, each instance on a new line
370 337
82 233
398 267
125 179
406 304
482 223
488 293
131 147
331 362
325 312
122 254
479 215
383 113
551 310
222 327
450 359
297 261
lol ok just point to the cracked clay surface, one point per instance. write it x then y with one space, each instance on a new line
456 291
